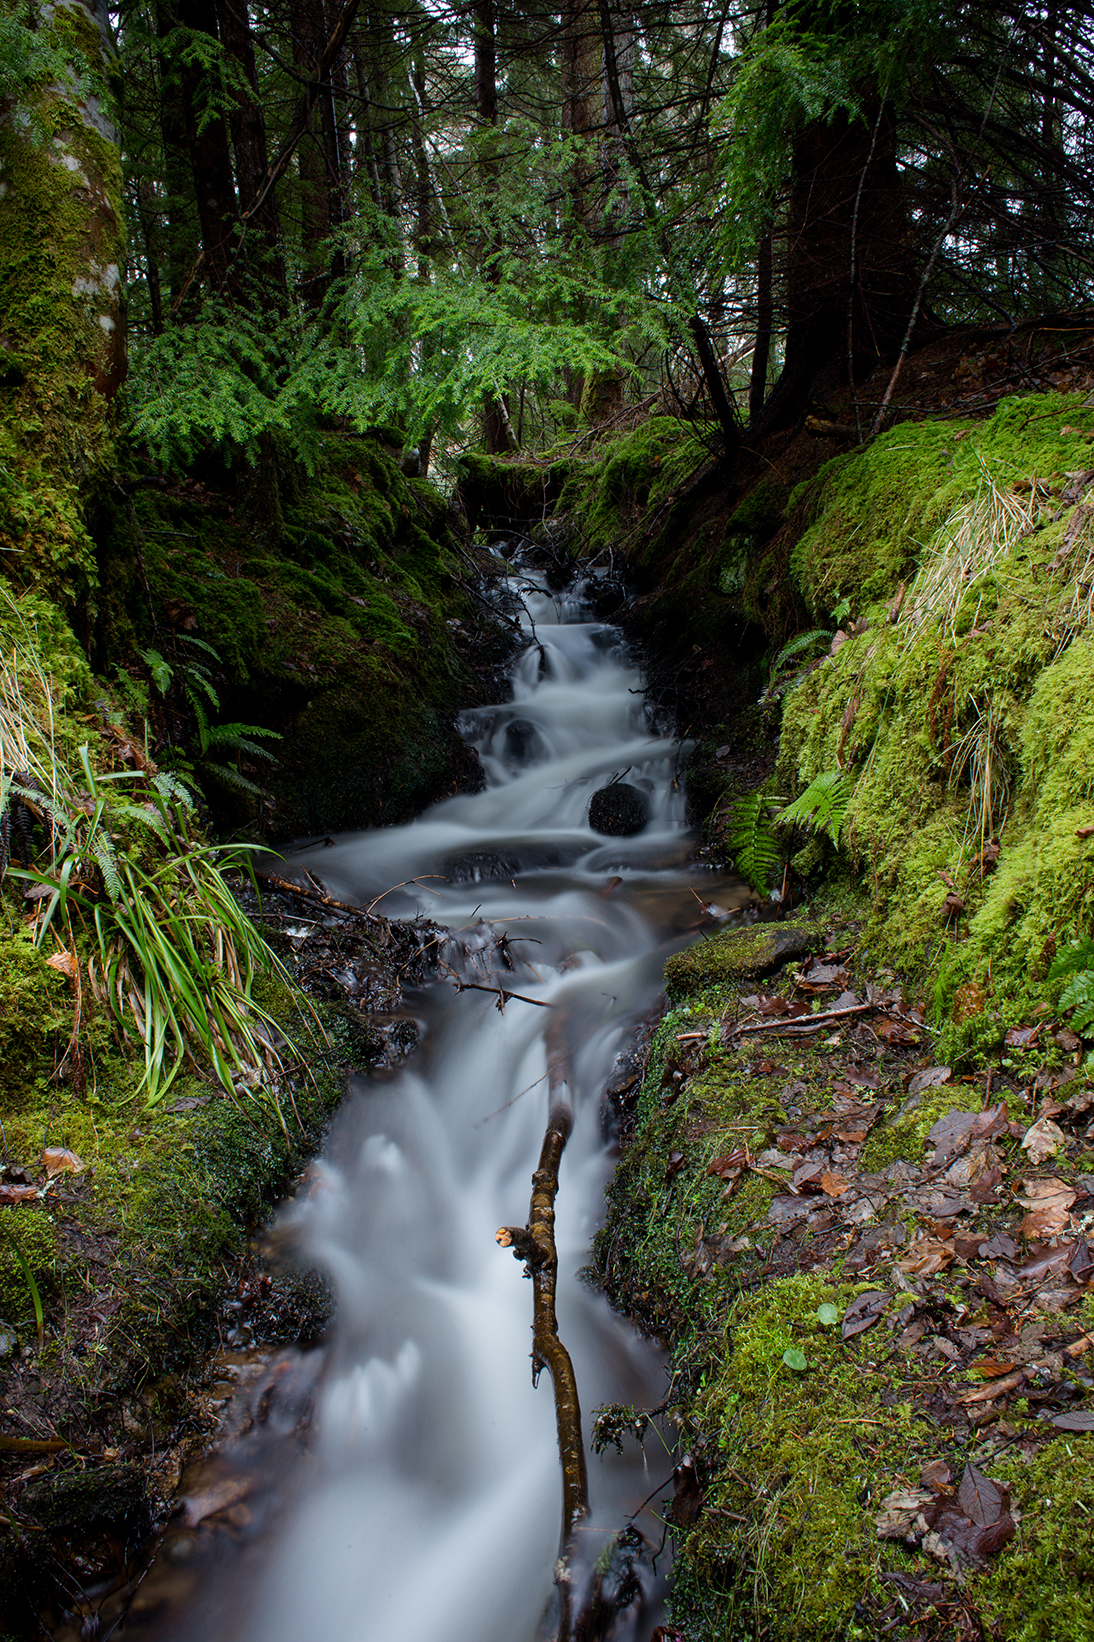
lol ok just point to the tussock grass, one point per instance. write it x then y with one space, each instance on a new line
131 895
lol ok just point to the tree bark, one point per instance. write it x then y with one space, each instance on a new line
62 319
248 128
210 155
497 431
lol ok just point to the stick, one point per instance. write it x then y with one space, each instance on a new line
287 887
1011 1382
807 1021
535 1244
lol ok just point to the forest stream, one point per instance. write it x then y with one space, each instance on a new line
427 1500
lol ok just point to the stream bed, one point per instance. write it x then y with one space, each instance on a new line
402 1482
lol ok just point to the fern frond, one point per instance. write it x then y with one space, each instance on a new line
753 844
103 851
804 641
1079 955
822 807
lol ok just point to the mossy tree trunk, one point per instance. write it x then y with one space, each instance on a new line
62 259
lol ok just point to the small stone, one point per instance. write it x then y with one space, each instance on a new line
619 810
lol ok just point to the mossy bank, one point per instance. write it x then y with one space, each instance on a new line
794 1218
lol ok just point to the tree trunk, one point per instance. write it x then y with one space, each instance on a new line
497 431
183 241
210 155
308 40
62 336
248 129
845 188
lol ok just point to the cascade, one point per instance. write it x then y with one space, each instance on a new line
427 1505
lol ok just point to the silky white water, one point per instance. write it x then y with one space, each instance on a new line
429 1506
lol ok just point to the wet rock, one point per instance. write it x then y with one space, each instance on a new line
82 1502
738 955
523 741
619 810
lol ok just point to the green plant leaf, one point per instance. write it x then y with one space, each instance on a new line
822 807
828 1314
752 842
795 1359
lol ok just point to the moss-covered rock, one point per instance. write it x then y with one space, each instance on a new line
737 954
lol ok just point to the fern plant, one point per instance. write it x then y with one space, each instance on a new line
1076 965
822 807
749 836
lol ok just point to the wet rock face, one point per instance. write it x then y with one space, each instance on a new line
619 810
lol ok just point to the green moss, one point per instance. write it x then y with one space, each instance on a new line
62 247
636 472
990 660
872 512
736 954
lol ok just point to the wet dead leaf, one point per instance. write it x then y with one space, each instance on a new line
688 1498
936 1476
990 1368
66 963
1078 1419
730 1166
1022 1037
833 1185
1048 1202
863 1312
931 1077
17 1194
975 1523
927 1255
901 1515
898 1034
1042 1139
59 1160
999 1247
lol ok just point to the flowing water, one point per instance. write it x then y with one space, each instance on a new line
428 1505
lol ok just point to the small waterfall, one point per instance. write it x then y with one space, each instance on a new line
428 1504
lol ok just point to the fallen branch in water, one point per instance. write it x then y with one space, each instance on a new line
318 897
535 1244
503 995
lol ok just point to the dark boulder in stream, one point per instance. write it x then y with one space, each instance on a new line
619 810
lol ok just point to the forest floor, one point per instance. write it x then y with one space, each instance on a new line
874 1275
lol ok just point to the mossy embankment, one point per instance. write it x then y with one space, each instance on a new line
343 621
776 1188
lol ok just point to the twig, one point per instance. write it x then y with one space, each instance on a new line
783 1022
286 886
502 995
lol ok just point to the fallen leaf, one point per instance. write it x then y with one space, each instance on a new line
1021 1037
65 963
936 1475
981 1499
932 1077
807 1177
866 1077
674 1164
926 1591
863 1312
1042 1139
1080 1419
990 1368
729 1166
59 1160
899 1034
17 1194
955 1129
833 1185
984 1189
900 1516
1084 832
928 1255
688 1498
1048 1202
